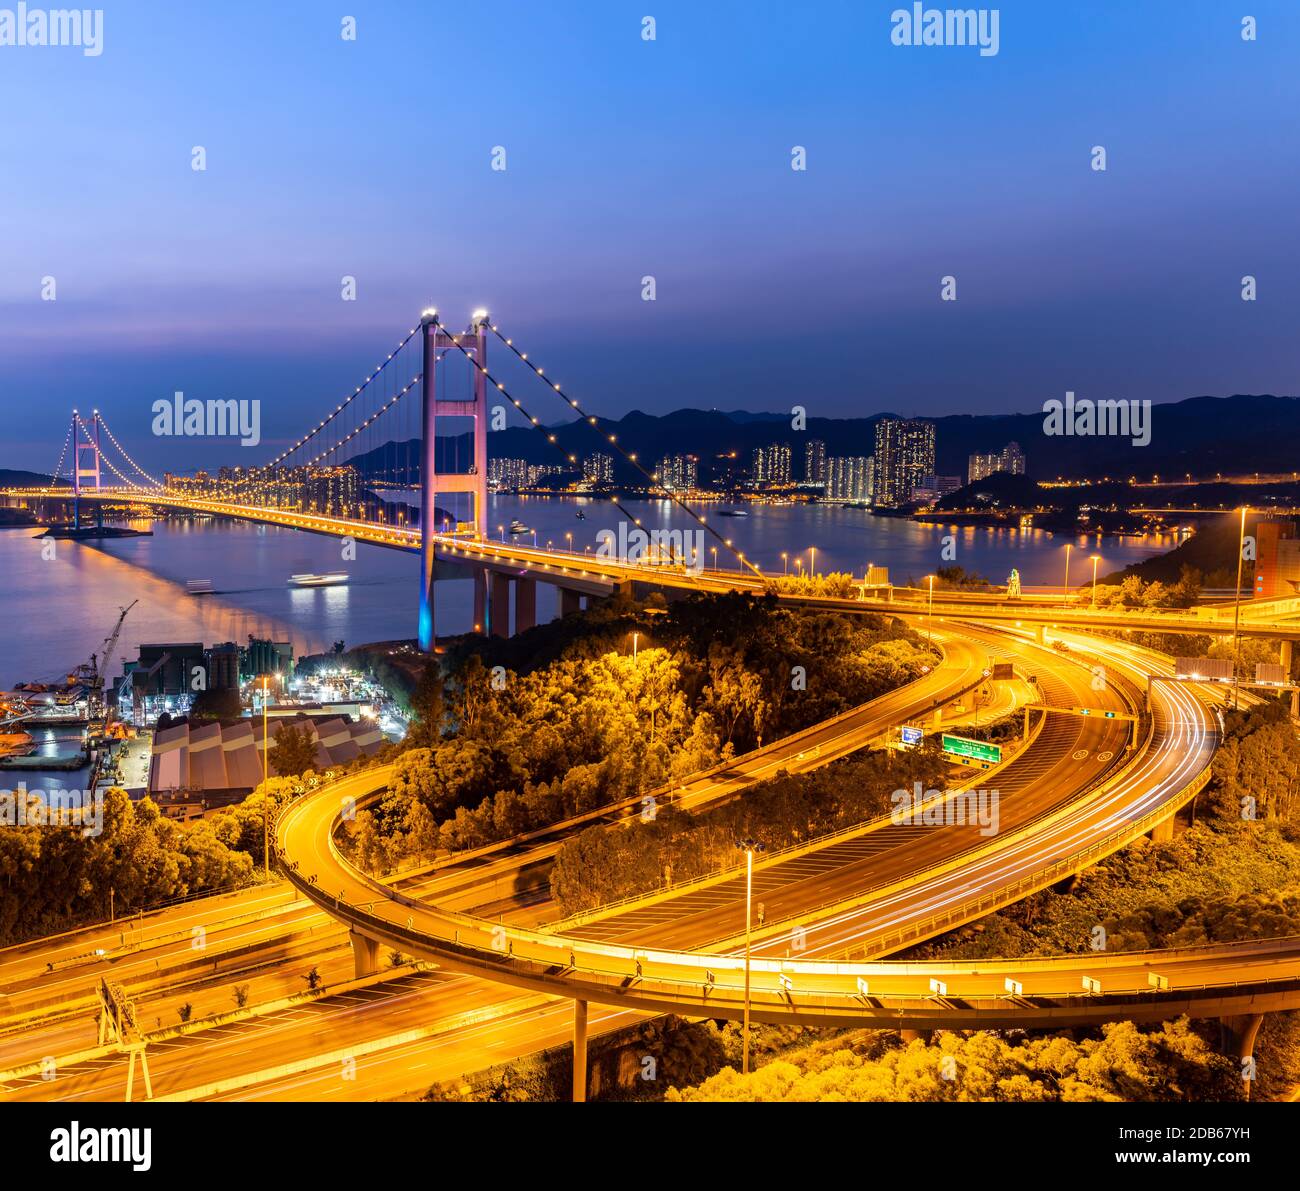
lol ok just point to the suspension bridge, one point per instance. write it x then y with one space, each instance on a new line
387 433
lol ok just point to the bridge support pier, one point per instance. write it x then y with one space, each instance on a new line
1162 831
579 1052
1286 658
1239 1039
570 602
525 604
499 616
480 600
1040 634
365 955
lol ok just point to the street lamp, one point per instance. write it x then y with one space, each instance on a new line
750 847
1065 591
929 622
812 565
1096 558
266 794
634 640
1236 611
785 563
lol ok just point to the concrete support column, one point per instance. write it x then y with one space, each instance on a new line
1040 634
499 616
365 955
1242 1032
1286 658
579 1052
570 602
480 600
525 604
1162 831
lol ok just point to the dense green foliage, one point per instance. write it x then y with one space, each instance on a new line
565 719
636 1063
56 877
1123 1063
604 864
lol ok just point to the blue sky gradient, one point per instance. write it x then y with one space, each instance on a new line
628 158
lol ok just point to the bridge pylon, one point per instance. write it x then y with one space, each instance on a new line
440 343
78 472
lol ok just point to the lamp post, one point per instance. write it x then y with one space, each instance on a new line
750 847
785 563
266 794
929 620
1096 558
1236 611
634 639
1065 591
812 561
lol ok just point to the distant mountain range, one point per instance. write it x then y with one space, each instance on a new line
1201 435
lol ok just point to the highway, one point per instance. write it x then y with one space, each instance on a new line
494 1052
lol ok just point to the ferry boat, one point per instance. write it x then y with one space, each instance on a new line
327 580
518 527
196 587
733 512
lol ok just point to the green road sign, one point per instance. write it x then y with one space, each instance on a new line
976 750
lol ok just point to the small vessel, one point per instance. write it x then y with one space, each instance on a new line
16 744
517 526
197 587
327 580
733 512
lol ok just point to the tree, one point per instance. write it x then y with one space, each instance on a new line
427 711
294 751
313 979
240 995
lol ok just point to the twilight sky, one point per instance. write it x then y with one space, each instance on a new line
671 158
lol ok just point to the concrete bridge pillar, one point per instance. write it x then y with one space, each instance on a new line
579 1052
1286 658
480 600
1040 634
1162 831
1240 1037
365 955
570 602
499 616
525 604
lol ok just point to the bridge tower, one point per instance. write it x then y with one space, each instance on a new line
78 472
439 343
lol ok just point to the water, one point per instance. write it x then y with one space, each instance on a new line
59 611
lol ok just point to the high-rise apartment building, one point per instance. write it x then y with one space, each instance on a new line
771 465
1010 459
679 473
814 462
850 478
598 469
904 457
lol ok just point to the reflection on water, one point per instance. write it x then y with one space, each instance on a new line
60 611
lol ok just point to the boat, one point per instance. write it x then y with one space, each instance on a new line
517 526
733 512
16 744
327 580
198 587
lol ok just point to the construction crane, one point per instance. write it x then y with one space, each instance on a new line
97 672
